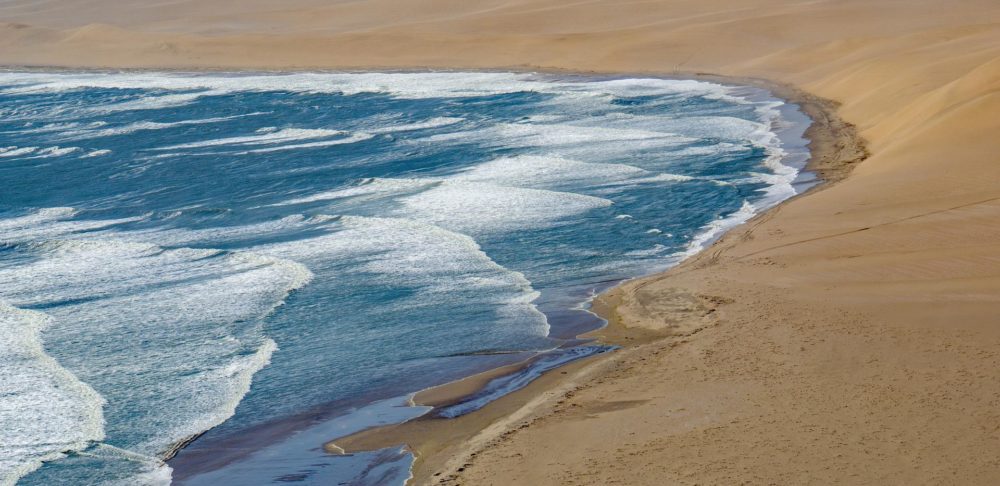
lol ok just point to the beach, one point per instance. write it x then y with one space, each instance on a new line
849 335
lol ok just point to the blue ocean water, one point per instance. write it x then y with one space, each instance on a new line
259 260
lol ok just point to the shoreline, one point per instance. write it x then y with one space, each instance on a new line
457 391
821 162
849 335
834 149
449 392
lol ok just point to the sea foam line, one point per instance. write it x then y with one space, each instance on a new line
399 85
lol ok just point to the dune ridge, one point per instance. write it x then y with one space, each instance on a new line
850 336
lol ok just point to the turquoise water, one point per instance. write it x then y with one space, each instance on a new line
277 259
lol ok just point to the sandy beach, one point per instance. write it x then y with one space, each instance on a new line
849 336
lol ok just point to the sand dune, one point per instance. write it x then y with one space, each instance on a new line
850 336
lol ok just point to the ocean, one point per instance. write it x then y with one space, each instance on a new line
240 267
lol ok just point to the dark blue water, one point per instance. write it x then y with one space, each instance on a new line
184 253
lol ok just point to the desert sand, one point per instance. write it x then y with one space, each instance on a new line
849 336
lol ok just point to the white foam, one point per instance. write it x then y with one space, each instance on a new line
353 138
52 222
56 151
16 151
735 133
404 85
143 470
219 235
437 122
400 85
561 136
631 87
95 153
465 207
436 261
553 172
716 228
368 189
158 474
37 152
781 177
477 208
183 323
666 178
265 138
655 250
423 256
87 132
716 127
157 102
46 411
57 127
545 172
779 181
39 216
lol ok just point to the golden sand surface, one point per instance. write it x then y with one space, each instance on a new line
850 336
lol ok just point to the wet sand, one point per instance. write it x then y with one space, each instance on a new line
849 336
444 444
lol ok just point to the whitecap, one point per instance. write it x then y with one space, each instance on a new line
437 122
465 207
399 85
269 137
157 102
471 207
56 151
96 153
726 128
16 151
37 152
353 138
174 331
543 172
52 222
413 254
46 410
94 131
716 228
561 136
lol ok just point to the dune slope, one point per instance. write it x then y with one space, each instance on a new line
850 336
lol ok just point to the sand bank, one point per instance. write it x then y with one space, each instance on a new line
443 444
854 334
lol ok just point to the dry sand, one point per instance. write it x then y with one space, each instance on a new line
849 336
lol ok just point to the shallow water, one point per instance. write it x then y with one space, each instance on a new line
261 254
